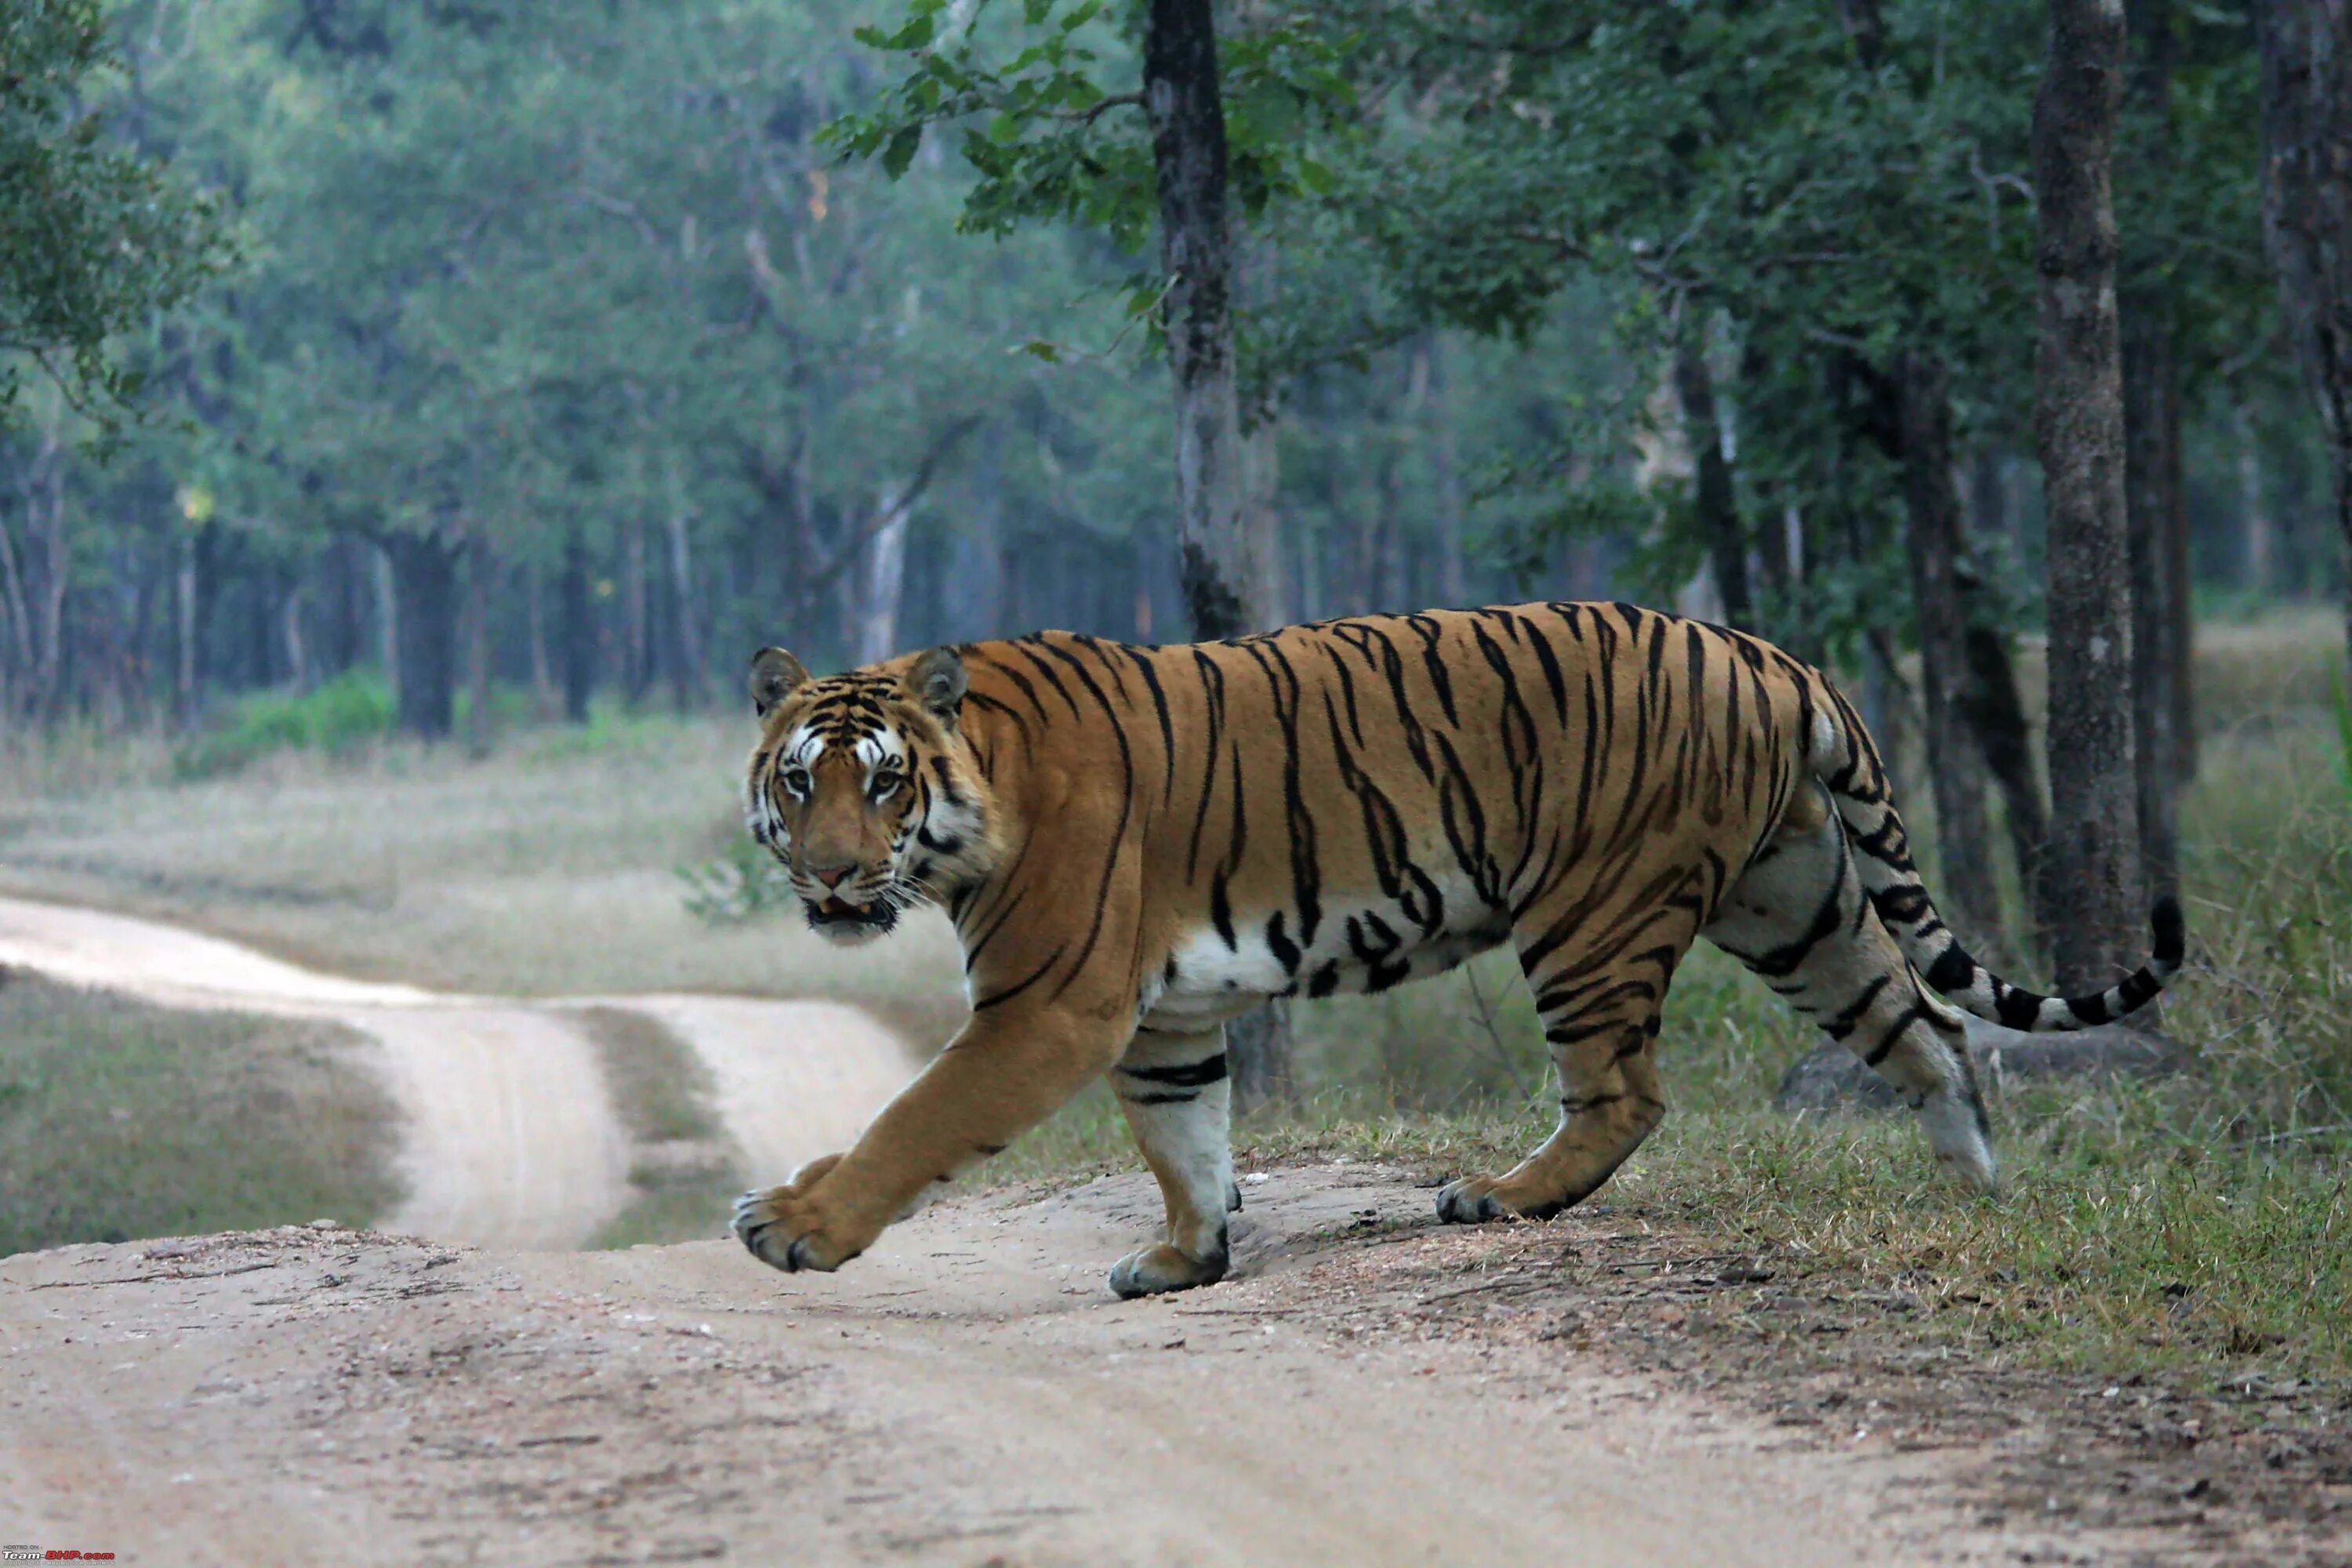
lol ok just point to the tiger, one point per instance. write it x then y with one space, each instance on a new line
1138 844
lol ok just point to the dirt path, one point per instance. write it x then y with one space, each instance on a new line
510 1139
967 1393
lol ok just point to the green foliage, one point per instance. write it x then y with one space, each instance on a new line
95 236
1038 106
338 718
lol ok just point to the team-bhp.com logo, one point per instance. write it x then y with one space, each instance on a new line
52 1555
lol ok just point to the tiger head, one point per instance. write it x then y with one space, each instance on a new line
864 789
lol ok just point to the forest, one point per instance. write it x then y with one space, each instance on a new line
486 365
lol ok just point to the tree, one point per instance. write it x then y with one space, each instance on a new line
1181 95
2079 431
95 236
2306 50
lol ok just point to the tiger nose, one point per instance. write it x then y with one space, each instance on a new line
831 875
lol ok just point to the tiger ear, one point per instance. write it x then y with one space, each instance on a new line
774 673
938 683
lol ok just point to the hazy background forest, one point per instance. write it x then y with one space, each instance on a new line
547 357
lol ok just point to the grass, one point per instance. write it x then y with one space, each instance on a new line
120 1120
686 1169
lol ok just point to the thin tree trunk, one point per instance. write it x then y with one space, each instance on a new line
2151 437
1936 548
637 640
884 580
1996 713
2079 431
685 639
576 609
2255 527
1445 471
2181 605
387 617
300 670
183 628
534 609
2307 49
1714 496
1183 100
425 587
481 577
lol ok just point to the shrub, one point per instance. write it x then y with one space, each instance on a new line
337 717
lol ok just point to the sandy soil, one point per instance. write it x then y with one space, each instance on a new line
510 1138
967 1393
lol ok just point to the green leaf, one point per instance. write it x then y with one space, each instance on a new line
901 150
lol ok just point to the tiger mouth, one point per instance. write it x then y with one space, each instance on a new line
839 913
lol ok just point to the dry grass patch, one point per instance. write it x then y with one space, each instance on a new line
120 1120
685 1168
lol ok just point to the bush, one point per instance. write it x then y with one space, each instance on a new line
347 713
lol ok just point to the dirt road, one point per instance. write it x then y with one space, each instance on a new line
1367 1388
510 1138
967 1393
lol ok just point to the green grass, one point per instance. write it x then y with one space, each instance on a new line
337 717
120 1120
686 1169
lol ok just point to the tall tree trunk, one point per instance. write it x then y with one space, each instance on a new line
1996 713
2079 431
1183 100
183 629
2306 49
980 554
1714 497
425 590
1446 469
542 672
883 579
576 623
1222 596
636 633
2151 392
481 580
2181 606
685 647
2256 529
301 670
1937 548
387 613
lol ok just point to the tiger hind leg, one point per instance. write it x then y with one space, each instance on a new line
1598 988
1799 920
1177 1098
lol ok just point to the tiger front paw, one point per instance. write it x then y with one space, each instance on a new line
1157 1270
793 1227
1475 1200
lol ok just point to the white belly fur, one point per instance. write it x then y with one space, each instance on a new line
1216 983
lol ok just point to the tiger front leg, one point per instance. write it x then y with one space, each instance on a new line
999 1076
1177 1100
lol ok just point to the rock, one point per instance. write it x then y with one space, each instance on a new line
1832 1078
